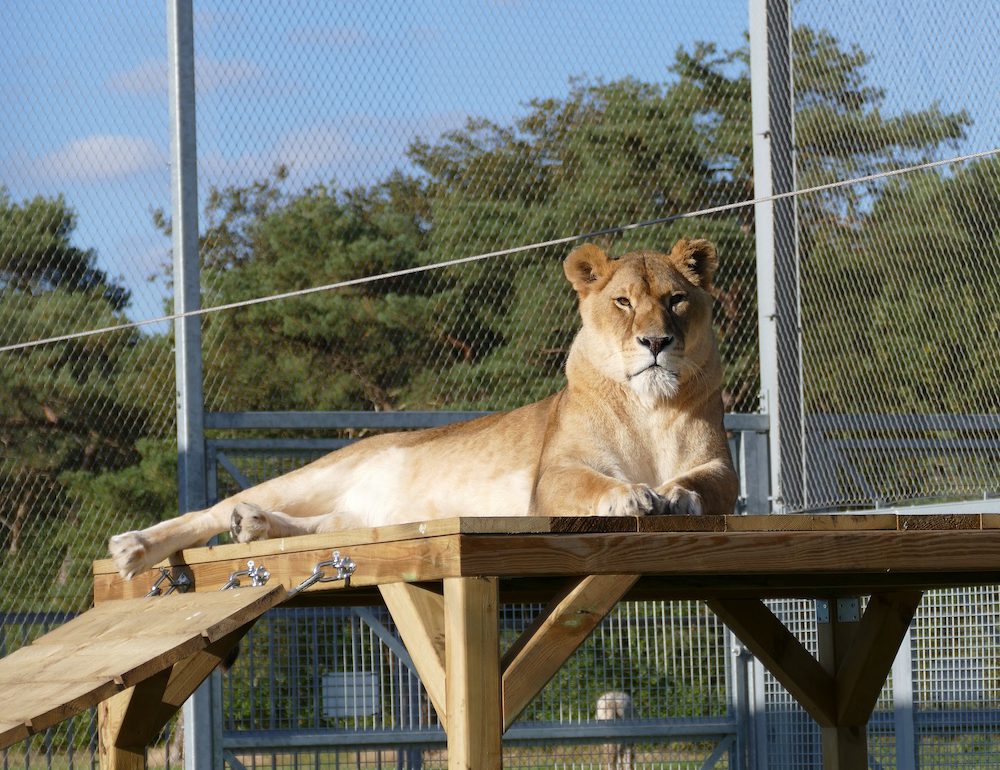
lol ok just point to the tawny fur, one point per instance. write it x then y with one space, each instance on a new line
637 430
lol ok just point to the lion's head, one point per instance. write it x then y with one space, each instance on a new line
647 316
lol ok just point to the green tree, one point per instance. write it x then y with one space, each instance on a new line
63 407
915 287
355 348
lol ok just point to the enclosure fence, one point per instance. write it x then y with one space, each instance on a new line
339 141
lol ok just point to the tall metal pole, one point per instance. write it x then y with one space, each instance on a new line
202 747
777 258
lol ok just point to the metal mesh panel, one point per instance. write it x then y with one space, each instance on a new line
84 159
400 135
651 665
581 757
899 276
657 667
956 678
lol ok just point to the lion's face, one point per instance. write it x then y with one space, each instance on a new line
646 316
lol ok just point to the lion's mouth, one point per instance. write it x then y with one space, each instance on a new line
650 368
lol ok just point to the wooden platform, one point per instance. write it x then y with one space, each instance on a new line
676 557
443 582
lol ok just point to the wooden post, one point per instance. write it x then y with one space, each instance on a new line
845 746
472 665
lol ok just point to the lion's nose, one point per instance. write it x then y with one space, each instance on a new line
655 344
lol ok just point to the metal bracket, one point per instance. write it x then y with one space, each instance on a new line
258 576
182 583
848 610
344 568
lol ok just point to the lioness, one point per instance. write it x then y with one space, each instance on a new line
637 430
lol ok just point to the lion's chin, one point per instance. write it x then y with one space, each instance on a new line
654 385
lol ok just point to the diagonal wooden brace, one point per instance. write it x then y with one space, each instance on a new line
554 635
840 689
132 719
418 613
782 654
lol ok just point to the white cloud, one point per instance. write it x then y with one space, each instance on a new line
150 77
100 157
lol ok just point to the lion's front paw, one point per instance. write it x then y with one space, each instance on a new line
681 501
629 500
248 523
130 552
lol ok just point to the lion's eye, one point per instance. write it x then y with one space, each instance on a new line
622 302
677 299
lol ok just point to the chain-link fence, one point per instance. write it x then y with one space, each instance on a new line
341 140
397 139
898 277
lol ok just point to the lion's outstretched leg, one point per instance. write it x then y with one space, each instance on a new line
136 551
300 495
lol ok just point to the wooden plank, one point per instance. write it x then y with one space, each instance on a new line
114 645
822 522
733 553
119 661
845 747
939 521
683 554
110 713
12 732
781 586
241 552
411 561
991 520
44 704
866 664
682 524
418 614
783 655
554 635
472 663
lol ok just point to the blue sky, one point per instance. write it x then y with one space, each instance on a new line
339 88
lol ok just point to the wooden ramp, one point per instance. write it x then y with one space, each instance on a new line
166 645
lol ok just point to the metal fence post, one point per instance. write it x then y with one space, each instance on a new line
902 706
739 700
202 728
777 263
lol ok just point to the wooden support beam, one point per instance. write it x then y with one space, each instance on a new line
472 664
782 653
845 746
867 662
132 719
418 613
554 635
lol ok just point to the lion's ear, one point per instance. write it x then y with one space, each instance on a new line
585 267
696 260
